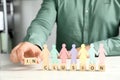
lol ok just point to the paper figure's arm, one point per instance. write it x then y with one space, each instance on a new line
51 54
60 53
57 53
105 52
95 52
41 55
67 53
98 52
87 54
48 53
79 53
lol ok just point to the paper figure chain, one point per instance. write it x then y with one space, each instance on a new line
50 60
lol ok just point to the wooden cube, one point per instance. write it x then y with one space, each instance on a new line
73 67
45 67
92 67
54 67
63 67
30 61
83 68
101 67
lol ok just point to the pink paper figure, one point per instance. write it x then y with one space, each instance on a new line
102 53
64 53
73 54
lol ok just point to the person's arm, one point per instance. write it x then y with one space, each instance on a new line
42 25
111 45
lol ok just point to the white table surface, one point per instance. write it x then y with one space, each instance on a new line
10 71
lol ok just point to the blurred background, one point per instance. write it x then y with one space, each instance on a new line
15 18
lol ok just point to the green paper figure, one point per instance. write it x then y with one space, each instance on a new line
54 55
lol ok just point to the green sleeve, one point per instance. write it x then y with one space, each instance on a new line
111 45
42 25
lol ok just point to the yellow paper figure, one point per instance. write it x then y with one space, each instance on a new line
83 55
45 57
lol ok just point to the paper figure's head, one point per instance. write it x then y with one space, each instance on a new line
83 46
45 46
91 45
73 45
53 46
101 45
64 45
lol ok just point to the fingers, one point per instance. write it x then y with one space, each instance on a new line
20 53
13 58
39 59
17 54
37 51
14 55
24 49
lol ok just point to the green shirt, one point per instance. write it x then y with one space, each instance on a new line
78 21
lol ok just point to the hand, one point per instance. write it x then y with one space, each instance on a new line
24 49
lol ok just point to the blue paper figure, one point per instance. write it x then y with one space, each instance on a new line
92 53
54 55
73 54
